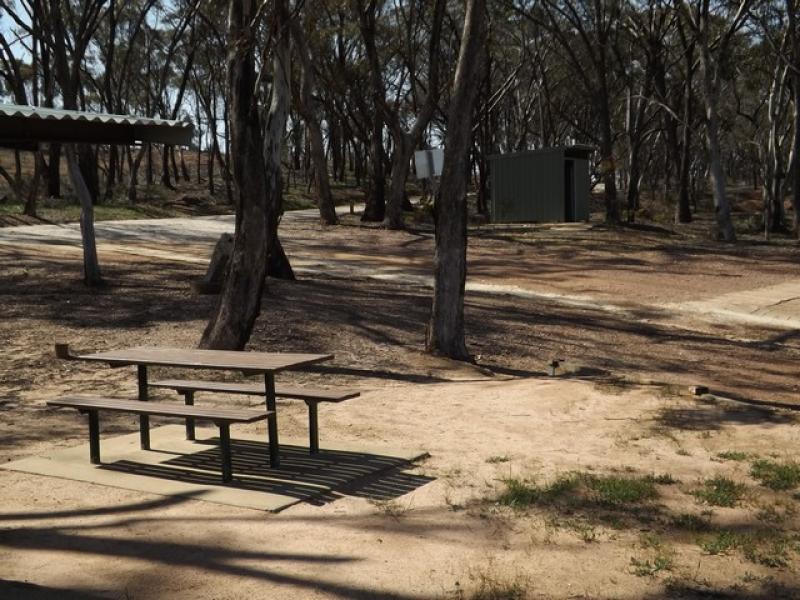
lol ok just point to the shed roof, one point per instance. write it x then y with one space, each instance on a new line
574 151
25 126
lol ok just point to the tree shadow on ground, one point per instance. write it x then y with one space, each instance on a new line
689 591
70 533
19 590
709 414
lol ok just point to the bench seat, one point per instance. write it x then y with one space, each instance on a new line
255 389
311 396
222 417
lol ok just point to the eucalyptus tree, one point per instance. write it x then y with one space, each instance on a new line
306 105
714 26
413 96
67 29
586 32
256 140
793 18
445 334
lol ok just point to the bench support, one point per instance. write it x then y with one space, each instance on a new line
272 421
144 420
225 451
313 427
94 437
188 396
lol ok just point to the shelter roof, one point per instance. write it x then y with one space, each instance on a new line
24 127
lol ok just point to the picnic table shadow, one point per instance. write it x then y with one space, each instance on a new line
314 478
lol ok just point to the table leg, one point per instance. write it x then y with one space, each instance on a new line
144 420
225 451
188 397
313 427
94 437
272 421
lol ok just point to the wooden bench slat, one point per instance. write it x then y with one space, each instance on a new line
227 415
255 389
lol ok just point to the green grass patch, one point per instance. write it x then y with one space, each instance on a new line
720 491
693 523
622 490
576 489
663 479
721 542
769 548
776 476
662 558
493 460
733 455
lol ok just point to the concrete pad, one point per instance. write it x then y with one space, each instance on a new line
177 467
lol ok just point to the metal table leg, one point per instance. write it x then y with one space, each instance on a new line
144 420
272 421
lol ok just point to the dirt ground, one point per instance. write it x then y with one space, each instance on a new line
610 302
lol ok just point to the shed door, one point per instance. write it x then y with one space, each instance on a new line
569 191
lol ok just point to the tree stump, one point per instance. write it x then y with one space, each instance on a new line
278 266
212 281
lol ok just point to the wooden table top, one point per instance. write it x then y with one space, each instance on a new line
259 362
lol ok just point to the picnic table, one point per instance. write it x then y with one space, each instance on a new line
266 364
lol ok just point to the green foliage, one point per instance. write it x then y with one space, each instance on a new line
662 559
721 542
498 459
521 494
622 490
663 479
733 455
720 491
689 522
767 547
775 475
649 567
577 489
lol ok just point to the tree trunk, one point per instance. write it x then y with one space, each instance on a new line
33 192
92 276
401 165
794 35
796 155
375 208
607 166
111 177
406 140
684 197
166 179
54 171
240 300
133 177
710 85
445 333
308 110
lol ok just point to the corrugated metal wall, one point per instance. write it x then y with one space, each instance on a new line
528 187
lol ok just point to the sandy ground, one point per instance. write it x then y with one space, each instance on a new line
599 298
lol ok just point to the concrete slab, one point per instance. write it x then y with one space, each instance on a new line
176 467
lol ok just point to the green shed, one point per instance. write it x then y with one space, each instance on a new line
551 184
